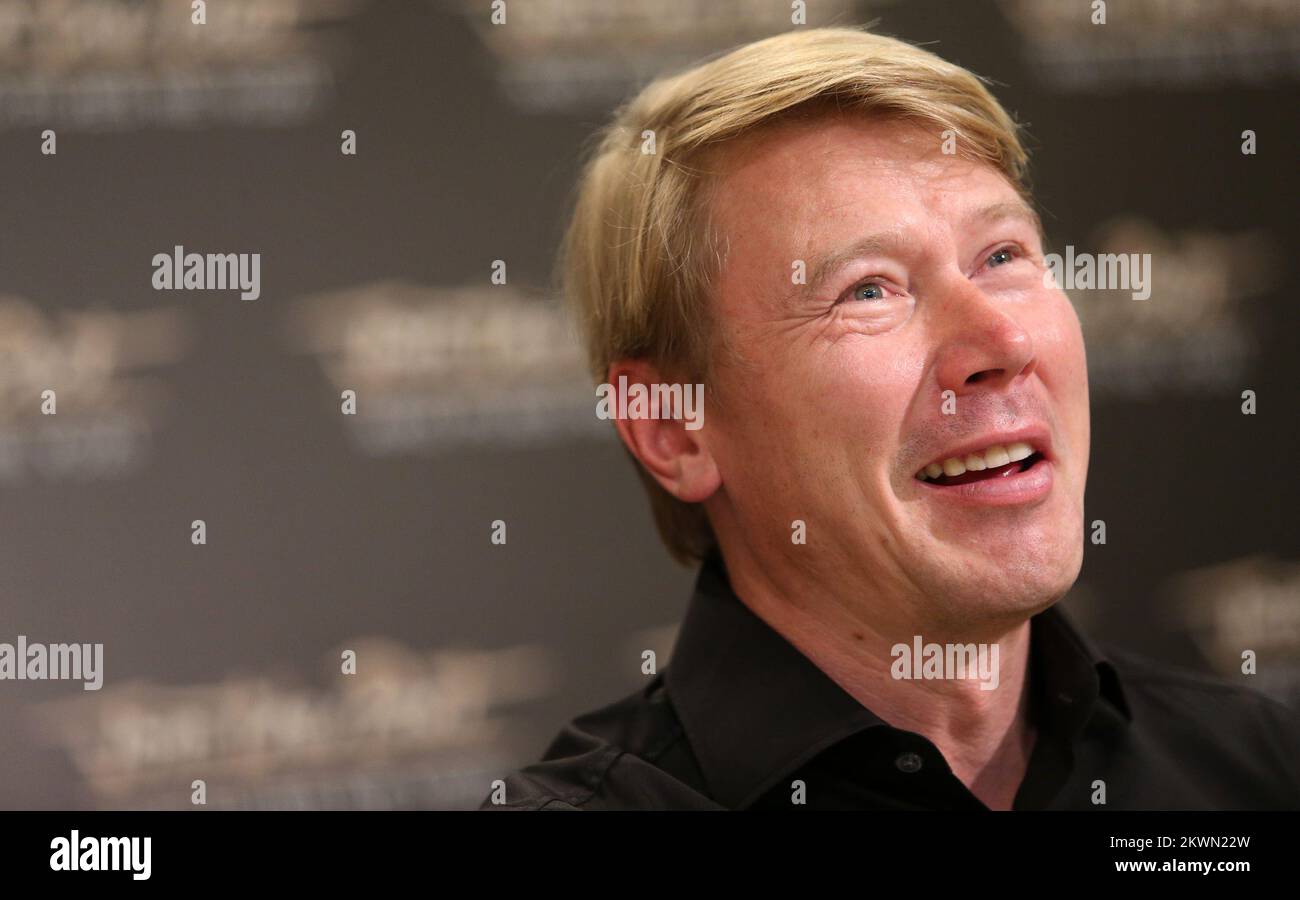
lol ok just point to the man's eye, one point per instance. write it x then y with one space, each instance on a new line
1001 257
869 290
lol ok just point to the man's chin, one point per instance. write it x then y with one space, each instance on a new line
1001 589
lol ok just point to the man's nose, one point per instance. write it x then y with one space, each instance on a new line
983 344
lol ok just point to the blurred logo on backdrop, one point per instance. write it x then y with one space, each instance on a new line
408 729
1247 604
567 55
434 368
75 399
115 64
1193 332
1159 42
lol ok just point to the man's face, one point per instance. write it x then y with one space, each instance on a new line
924 335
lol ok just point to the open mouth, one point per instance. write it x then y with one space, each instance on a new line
997 461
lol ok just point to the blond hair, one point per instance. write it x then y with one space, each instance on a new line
639 255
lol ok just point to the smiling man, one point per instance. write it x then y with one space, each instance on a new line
831 231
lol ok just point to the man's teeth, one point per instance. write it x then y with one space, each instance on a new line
990 458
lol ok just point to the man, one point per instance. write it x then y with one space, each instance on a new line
830 231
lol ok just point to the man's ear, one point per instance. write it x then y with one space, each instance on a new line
673 452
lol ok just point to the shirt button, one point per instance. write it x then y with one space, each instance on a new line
908 762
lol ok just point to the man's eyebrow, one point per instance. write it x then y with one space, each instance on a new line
1007 209
881 244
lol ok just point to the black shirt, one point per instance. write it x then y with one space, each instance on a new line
740 714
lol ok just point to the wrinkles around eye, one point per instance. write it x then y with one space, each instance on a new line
870 316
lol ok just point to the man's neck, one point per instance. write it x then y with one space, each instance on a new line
984 735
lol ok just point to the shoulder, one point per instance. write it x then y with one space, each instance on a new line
1234 720
631 754
1161 684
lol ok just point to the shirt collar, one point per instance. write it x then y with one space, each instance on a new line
754 708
